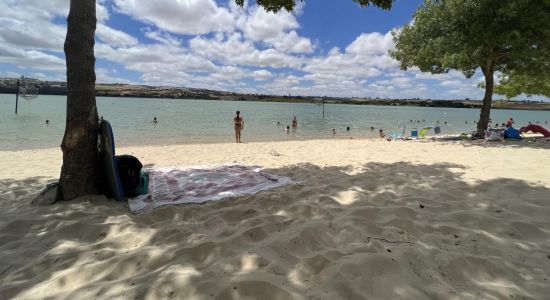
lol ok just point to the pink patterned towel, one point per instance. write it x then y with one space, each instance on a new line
201 184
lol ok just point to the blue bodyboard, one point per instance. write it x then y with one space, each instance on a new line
108 162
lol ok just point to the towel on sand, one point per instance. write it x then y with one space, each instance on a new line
201 184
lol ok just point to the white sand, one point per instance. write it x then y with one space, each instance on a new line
372 220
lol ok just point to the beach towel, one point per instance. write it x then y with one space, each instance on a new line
201 184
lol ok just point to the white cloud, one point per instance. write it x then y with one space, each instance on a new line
371 44
109 76
346 64
21 34
31 59
366 57
451 83
180 16
277 30
101 11
262 75
260 25
162 37
234 50
27 24
291 43
30 39
115 37
147 58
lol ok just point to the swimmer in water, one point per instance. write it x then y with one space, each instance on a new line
155 120
287 129
381 132
294 122
333 131
347 128
371 128
47 122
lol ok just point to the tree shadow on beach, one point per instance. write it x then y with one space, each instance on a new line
399 231
533 143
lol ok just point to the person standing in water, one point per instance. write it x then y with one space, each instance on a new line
238 122
294 122
510 122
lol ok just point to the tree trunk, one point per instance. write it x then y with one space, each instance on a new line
80 172
488 72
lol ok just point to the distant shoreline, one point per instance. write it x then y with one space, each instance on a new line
7 86
394 102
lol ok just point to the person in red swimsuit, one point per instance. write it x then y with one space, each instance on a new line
510 122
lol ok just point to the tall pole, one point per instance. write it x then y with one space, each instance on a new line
17 97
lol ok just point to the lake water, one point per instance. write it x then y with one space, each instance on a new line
206 121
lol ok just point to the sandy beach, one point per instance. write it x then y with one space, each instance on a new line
370 219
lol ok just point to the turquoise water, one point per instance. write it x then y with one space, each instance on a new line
205 121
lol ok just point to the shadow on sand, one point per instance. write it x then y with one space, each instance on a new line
386 231
534 143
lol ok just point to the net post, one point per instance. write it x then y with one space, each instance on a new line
17 97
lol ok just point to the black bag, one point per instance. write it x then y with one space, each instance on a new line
129 168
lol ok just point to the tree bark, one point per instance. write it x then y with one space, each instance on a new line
80 172
488 71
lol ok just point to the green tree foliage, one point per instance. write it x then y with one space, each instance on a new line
509 36
276 5
517 83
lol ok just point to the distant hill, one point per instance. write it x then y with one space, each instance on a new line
8 86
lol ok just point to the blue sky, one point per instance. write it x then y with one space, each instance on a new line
334 48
